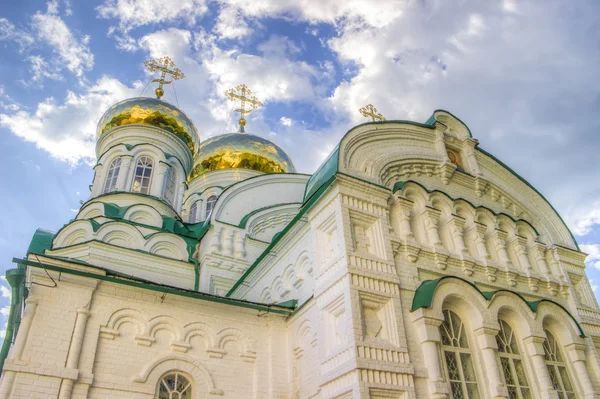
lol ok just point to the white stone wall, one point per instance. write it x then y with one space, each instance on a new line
132 336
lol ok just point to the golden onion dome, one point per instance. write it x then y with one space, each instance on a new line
150 112
241 151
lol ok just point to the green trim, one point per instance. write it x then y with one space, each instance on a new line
41 241
117 278
16 279
254 212
302 305
400 185
423 297
278 236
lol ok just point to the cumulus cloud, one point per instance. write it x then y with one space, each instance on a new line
285 121
582 219
73 52
40 70
8 31
134 13
593 251
67 129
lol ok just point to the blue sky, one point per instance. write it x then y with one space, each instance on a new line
521 73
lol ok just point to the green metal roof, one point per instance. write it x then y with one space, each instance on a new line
424 297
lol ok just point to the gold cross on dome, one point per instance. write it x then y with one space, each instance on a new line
369 111
244 94
163 64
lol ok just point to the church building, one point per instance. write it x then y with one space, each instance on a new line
412 264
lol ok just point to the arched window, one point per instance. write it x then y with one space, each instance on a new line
111 176
457 358
193 212
210 203
557 368
511 363
143 174
169 187
174 386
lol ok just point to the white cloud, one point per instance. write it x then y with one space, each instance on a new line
40 70
67 130
73 52
583 218
285 121
593 251
231 24
8 31
5 311
323 11
5 291
135 13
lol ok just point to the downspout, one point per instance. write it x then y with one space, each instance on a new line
16 278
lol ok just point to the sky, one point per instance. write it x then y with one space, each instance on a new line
522 74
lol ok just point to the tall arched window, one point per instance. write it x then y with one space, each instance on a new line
143 174
457 358
174 386
210 203
557 368
512 364
193 212
111 176
169 187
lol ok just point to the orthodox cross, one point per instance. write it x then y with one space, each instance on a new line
243 93
370 111
163 64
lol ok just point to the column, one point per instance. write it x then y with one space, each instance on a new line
30 309
469 151
576 354
158 179
536 352
8 376
401 211
123 179
440 145
539 250
97 184
457 224
431 217
74 351
479 231
429 332
499 238
489 348
520 245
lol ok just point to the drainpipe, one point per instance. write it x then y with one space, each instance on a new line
16 278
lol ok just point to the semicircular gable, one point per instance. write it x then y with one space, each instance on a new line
167 245
144 214
389 152
264 223
74 233
258 192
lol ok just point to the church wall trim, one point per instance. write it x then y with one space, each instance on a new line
154 286
424 296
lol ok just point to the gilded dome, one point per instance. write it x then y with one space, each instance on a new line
241 151
151 112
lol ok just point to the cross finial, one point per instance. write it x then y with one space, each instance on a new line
163 64
243 93
369 111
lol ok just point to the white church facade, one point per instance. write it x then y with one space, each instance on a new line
411 264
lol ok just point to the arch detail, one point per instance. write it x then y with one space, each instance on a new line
187 364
